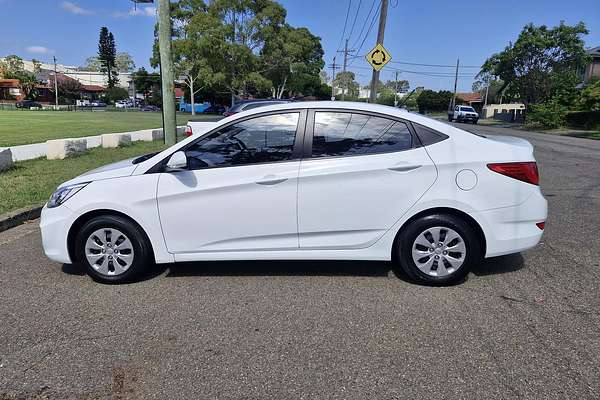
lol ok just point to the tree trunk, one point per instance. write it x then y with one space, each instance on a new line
282 88
192 95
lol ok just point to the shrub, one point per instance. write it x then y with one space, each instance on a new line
547 116
583 119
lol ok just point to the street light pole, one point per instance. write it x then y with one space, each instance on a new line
55 86
167 73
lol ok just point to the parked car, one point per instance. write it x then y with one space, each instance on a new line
215 109
198 107
150 108
319 180
246 105
463 113
124 104
97 103
28 104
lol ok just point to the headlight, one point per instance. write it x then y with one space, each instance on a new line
64 193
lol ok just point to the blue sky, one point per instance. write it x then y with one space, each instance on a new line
418 31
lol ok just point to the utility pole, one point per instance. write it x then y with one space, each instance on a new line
487 91
453 103
380 36
167 74
396 90
345 85
55 86
333 67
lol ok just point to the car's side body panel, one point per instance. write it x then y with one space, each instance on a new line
226 209
350 202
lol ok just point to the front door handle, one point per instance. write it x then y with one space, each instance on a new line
271 180
405 168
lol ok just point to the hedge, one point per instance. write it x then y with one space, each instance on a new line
583 119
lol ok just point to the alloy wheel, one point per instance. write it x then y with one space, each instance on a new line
109 251
439 251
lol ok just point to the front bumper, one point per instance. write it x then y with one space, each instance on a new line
54 225
513 229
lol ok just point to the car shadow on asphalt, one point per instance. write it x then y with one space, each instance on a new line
279 268
491 266
499 265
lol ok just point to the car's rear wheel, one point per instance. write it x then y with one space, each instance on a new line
112 249
437 249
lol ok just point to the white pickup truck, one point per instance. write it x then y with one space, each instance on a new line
463 113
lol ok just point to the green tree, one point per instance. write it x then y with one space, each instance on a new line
124 62
347 80
107 52
145 82
589 98
115 93
14 68
542 63
91 64
431 101
236 42
497 90
401 85
69 90
293 60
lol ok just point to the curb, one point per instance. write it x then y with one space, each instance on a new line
18 217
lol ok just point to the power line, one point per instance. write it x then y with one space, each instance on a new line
345 23
370 28
355 17
435 65
421 64
364 23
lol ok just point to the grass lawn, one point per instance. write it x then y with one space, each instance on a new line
25 127
32 182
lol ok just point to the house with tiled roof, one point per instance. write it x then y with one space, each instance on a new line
592 71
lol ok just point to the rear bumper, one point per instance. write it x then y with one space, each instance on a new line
513 229
54 225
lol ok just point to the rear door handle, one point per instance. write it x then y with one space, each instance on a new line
405 168
271 180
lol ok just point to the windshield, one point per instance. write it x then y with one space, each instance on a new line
470 109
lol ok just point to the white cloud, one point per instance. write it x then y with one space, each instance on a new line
39 50
74 8
136 12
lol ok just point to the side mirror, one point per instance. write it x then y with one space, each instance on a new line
177 162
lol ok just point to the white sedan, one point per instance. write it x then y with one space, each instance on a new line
318 181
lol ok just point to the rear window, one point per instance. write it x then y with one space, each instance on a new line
428 136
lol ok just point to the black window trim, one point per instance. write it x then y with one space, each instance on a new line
310 127
296 151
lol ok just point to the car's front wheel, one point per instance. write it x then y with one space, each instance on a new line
112 249
437 249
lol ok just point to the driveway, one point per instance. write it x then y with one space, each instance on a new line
522 326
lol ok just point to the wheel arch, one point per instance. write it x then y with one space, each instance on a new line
444 210
82 219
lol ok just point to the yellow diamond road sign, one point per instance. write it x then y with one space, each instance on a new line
378 57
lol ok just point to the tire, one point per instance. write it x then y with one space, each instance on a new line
449 119
474 122
101 238
430 271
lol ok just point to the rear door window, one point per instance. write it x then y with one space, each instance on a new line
350 134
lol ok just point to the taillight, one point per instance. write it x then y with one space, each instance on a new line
188 131
523 171
541 225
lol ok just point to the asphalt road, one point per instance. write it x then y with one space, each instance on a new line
522 326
